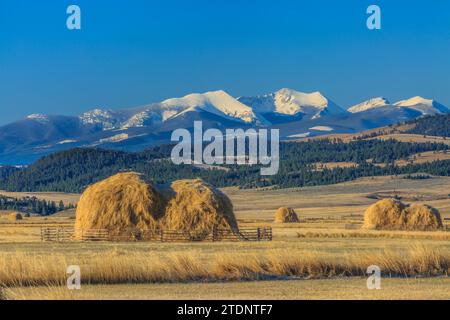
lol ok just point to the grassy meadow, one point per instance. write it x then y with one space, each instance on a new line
324 256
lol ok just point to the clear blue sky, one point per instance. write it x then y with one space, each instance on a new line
134 52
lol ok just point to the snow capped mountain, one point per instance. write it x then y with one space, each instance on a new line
369 104
294 113
425 106
290 103
216 102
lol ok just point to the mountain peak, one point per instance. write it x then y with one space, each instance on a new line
423 105
369 104
414 101
290 102
217 102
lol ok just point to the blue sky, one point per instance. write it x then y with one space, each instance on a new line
134 52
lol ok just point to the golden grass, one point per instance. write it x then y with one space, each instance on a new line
376 235
424 157
335 288
26 269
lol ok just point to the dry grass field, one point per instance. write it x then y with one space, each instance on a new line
329 289
324 256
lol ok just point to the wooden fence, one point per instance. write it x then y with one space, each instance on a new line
64 234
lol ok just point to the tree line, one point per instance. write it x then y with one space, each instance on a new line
32 205
73 170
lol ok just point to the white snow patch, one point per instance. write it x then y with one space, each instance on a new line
116 138
100 116
300 135
42 118
321 128
67 141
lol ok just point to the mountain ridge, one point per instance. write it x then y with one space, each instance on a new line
293 112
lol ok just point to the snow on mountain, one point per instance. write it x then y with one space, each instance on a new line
115 138
105 118
369 104
38 117
425 106
216 102
290 102
322 128
67 141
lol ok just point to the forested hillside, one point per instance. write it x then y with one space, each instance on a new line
73 170
438 125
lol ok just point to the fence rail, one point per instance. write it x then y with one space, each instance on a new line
65 234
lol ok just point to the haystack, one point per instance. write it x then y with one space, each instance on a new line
196 207
388 214
286 215
122 202
423 217
15 216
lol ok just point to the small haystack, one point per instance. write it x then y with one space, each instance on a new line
423 217
196 207
122 202
286 215
15 216
390 214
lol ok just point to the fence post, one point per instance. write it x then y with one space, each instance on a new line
162 235
259 234
214 233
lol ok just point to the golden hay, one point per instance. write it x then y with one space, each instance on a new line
423 217
196 207
122 202
390 214
15 216
387 214
285 215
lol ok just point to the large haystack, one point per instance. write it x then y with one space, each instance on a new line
423 217
196 208
122 202
388 214
286 215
